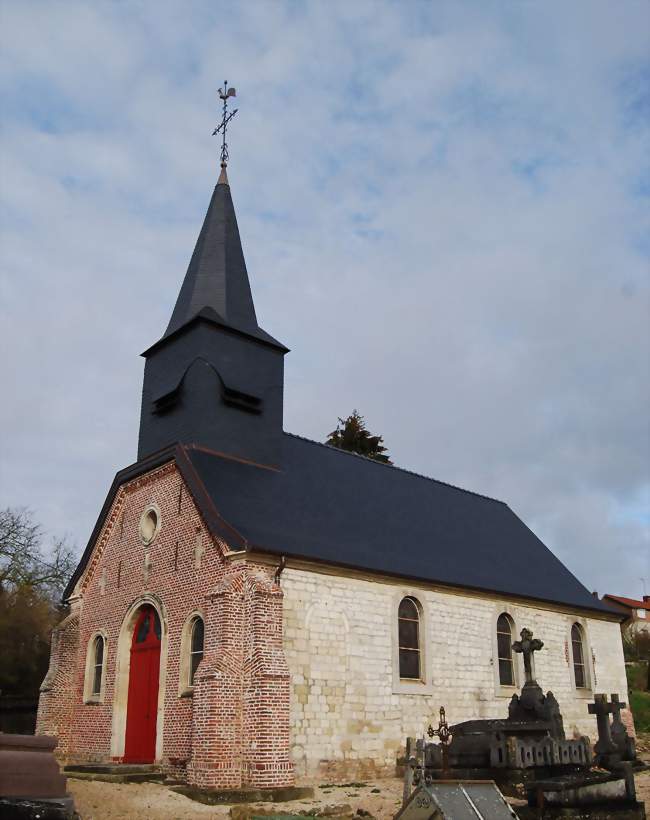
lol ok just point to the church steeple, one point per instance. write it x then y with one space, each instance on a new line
217 281
215 378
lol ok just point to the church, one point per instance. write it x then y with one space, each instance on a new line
258 610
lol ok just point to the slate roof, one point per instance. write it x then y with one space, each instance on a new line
216 284
331 506
334 507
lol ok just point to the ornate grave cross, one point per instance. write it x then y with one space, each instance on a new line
602 709
444 733
527 645
224 94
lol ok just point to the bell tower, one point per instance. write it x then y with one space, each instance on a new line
215 378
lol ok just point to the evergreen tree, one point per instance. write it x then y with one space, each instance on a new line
351 435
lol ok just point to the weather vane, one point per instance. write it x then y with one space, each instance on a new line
224 94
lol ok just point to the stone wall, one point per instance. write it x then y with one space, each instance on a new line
350 712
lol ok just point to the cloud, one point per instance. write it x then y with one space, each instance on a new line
444 209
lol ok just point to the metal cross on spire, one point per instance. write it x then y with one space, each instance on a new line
224 94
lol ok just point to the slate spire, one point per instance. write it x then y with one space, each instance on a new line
217 279
215 379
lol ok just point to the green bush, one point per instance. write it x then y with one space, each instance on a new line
637 675
640 705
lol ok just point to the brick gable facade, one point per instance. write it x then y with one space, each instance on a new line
232 730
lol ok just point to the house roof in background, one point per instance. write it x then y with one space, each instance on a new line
631 603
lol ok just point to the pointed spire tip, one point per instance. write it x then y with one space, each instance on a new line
223 176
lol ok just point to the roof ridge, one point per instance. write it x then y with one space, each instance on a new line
392 466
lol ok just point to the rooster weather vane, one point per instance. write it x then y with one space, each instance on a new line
225 93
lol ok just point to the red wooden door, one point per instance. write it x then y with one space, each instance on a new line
142 705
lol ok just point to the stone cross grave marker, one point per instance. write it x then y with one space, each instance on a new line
526 646
620 737
602 709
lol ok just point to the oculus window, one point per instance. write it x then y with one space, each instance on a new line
149 524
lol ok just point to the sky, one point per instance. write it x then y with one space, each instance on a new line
444 212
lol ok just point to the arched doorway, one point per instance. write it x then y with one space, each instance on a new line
144 674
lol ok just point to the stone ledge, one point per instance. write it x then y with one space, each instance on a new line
119 773
151 777
224 796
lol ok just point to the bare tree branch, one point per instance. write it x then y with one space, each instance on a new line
24 558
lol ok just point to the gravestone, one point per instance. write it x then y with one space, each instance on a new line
533 704
456 800
623 742
526 646
31 785
605 748
530 748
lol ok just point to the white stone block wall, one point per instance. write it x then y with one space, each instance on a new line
350 714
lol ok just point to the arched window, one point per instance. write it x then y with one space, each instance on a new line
504 649
98 666
196 647
409 639
578 651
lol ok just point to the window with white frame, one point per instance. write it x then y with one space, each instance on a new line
191 654
95 669
504 650
578 651
408 629
98 666
196 646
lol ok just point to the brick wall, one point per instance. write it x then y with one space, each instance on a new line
225 732
241 733
349 714
56 702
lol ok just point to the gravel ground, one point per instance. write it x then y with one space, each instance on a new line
381 798
109 801
95 800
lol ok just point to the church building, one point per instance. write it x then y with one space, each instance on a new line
255 609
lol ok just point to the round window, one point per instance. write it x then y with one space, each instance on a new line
149 524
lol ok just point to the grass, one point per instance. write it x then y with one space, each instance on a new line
640 705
